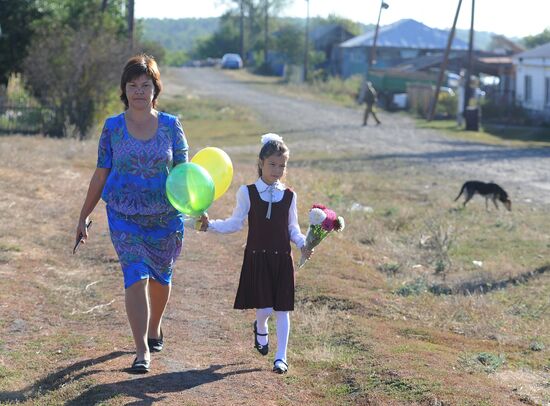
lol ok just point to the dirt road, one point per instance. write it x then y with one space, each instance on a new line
524 172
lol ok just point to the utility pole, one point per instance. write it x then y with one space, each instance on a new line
444 64
130 19
306 45
266 30
372 57
467 88
241 30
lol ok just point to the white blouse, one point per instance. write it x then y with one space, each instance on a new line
240 213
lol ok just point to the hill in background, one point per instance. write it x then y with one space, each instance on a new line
181 34
178 34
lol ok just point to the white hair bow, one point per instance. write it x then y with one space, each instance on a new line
271 137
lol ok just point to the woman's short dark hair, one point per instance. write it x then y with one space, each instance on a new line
135 67
271 148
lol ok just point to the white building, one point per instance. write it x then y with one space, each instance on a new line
533 79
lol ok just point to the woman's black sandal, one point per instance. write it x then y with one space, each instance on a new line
280 369
140 367
156 344
262 349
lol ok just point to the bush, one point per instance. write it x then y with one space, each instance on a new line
72 71
417 287
446 105
339 88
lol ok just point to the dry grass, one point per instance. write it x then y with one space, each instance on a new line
355 339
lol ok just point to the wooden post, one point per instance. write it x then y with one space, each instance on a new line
467 89
241 30
130 20
372 55
266 31
306 45
444 64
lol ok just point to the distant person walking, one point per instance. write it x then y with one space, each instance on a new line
370 97
137 150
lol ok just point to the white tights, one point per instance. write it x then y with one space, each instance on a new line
283 329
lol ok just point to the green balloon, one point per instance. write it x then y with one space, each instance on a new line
190 189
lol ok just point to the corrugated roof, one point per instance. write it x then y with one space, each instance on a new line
406 33
542 51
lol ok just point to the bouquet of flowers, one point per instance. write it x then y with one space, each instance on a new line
322 221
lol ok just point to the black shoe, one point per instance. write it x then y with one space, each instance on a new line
156 344
262 349
280 369
140 367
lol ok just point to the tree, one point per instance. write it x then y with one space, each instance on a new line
16 17
74 62
287 44
349 25
270 7
533 41
225 40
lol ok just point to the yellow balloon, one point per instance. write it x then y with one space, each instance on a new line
218 164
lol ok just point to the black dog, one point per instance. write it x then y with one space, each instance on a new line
488 190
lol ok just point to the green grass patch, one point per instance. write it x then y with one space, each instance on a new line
483 361
492 133
212 122
405 389
9 247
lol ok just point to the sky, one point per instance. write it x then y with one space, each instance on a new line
507 17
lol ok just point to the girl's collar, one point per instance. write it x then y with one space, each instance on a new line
262 186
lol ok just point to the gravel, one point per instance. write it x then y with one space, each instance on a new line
523 172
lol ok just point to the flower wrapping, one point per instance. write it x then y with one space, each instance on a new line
322 221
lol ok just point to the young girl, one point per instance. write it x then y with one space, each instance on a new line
267 274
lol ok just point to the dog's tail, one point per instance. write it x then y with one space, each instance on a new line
461 191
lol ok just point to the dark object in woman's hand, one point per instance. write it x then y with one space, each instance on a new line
80 237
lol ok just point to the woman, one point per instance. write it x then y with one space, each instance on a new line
137 149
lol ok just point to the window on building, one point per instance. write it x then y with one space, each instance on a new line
527 88
547 91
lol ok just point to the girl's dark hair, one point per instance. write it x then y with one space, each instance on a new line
135 67
271 148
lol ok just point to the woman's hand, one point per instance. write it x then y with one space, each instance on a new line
82 231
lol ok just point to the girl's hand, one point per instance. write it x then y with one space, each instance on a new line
306 253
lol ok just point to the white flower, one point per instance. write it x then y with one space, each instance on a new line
271 137
316 216
341 223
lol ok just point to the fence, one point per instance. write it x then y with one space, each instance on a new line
420 96
23 118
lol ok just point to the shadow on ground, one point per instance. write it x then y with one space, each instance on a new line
143 388
153 388
60 378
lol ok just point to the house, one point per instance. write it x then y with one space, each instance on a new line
326 38
483 64
396 43
503 46
533 79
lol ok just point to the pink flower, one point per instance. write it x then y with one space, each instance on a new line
317 230
328 224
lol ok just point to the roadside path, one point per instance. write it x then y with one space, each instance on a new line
524 172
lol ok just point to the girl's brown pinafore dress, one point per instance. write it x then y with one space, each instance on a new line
267 274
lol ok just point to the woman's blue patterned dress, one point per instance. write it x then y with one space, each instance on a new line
146 231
